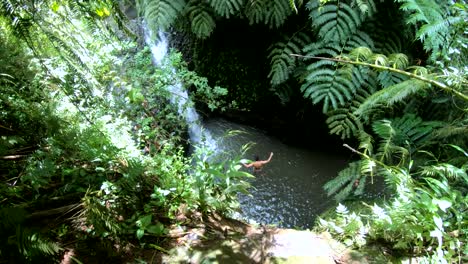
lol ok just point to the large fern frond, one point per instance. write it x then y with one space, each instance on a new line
348 179
277 13
391 95
282 63
329 83
201 20
343 121
226 8
367 7
403 135
433 25
334 22
160 14
255 11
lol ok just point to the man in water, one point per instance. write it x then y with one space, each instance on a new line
258 164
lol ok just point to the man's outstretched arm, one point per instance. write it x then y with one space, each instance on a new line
268 160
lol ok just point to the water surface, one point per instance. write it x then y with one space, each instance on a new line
288 191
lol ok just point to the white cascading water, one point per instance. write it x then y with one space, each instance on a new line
179 96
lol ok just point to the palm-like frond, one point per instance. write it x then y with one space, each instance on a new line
343 122
201 20
282 63
160 14
334 22
403 135
226 8
391 95
277 12
433 25
329 83
255 11
347 180
367 7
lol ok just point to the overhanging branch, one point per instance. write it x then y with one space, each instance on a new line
390 69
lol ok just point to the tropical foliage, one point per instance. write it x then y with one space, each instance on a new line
92 152
88 133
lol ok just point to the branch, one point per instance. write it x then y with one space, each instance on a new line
386 68
365 155
12 157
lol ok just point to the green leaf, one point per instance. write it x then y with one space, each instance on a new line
216 173
140 233
144 221
157 229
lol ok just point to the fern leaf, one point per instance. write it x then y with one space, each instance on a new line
343 122
445 170
434 27
391 95
277 13
386 132
333 88
412 130
398 60
329 83
161 14
226 8
282 63
367 7
256 11
403 136
202 23
334 22
387 78
342 186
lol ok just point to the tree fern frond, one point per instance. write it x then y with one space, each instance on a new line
391 95
282 63
255 11
398 60
358 40
361 54
202 23
412 130
367 7
342 186
434 27
226 8
451 130
277 13
387 78
161 14
334 22
386 132
333 88
403 135
343 122
445 170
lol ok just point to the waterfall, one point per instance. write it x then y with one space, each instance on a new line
199 136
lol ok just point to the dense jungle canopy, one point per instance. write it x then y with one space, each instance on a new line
95 157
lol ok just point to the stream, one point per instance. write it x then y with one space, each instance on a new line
288 191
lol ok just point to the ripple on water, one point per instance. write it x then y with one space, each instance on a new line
288 191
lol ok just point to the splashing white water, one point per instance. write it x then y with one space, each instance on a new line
179 96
